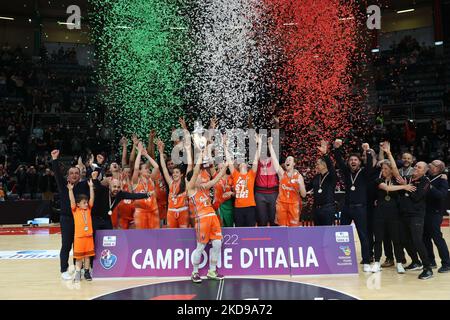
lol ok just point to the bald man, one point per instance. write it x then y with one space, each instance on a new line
436 201
412 207
106 199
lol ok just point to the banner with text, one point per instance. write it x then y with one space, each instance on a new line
245 251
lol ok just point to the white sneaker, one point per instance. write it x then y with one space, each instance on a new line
66 276
376 267
367 268
400 268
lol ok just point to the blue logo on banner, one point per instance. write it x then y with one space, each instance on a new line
108 259
346 250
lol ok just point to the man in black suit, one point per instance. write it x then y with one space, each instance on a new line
435 209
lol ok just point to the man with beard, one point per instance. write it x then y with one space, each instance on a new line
406 168
357 180
106 199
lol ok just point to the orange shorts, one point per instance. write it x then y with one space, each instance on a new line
208 228
146 218
288 214
177 218
83 247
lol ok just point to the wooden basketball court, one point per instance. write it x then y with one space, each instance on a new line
40 279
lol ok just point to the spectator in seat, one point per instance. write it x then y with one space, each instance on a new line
47 185
32 181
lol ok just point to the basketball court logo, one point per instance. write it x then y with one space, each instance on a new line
108 259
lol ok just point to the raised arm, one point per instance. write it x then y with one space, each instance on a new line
151 144
57 171
123 143
216 179
338 156
323 149
258 140
381 152
166 173
212 125
135 140
369 159
191 183
152 162
229 163
386 148
137 164
187 144
91 193
274 158
73 203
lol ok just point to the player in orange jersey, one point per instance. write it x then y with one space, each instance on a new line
243 185
146 215
292 186
207 224
178 210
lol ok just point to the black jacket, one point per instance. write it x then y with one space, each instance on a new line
362 182
328 185
437 196
414 203
79 188
101 202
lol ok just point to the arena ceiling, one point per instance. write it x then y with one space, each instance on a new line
51 9
57 8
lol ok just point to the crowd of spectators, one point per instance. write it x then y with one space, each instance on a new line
30 91
400 72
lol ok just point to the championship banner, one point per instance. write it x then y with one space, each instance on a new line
245 251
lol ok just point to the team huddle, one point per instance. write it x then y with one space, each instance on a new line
206 195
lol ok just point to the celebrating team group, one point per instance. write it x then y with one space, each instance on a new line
395 207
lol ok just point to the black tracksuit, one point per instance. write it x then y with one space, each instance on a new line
324 202
355 207
435 202
412 208
66 217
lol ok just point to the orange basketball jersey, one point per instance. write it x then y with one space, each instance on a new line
176 200
200 203
289 188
